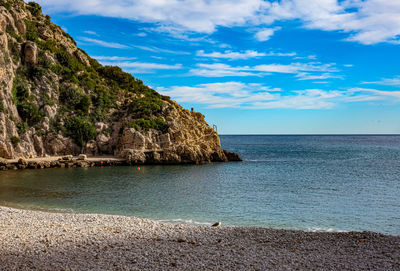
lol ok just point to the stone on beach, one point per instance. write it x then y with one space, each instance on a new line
56 241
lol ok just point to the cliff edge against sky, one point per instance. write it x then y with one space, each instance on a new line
56 100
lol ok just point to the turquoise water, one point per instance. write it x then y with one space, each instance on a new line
326 183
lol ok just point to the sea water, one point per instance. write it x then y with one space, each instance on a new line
316 183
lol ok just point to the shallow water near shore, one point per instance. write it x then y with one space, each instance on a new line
317 183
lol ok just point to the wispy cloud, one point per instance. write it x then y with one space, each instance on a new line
323 76
231 55
104 43
91 32
259 96
366 22
159 50
379 93
142 67
113 58
279 54
303 70
386 82
266 33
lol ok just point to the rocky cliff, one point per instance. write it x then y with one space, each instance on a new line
56 100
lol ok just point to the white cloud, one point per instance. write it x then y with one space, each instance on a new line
386 81
310 57
281 54
159 50
308 76
266 33
144 65
113 58
365 21
379 93
303 70
231 55
104 43
258 96
242 55
193 15
222 70
91 32
219 95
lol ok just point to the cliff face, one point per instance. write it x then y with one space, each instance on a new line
56 100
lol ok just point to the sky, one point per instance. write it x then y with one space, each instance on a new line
254 66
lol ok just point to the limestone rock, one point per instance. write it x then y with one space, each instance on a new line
21 27
67 158
134 156
30 53
82 57
132 139
187 139
82 157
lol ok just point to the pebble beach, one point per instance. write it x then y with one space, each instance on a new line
35 240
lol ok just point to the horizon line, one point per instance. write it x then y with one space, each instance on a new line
382 134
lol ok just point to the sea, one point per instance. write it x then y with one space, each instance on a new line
306 182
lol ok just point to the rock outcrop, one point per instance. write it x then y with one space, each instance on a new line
56 100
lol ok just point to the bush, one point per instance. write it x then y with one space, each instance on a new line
146 106
22 127
68 61
80 130
32 32
15 140
15 52
34 8
37 72
14 35
75 99
48 45
145 124
29 112
7 5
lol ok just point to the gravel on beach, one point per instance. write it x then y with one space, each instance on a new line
34 240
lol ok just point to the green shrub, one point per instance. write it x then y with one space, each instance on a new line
7 5
37 72
32 32
75 99
45 63
22 127
145 124
48 45
34 8
146 106
15 52
68 60
81 130
57 68
15 140
29 112
48 20
14 35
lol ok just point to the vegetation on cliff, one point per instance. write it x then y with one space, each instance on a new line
56 99
89 91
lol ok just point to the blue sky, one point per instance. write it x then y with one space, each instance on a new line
254 66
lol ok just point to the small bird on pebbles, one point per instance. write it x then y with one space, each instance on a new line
217 224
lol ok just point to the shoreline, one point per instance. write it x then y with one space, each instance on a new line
66 161
70 241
